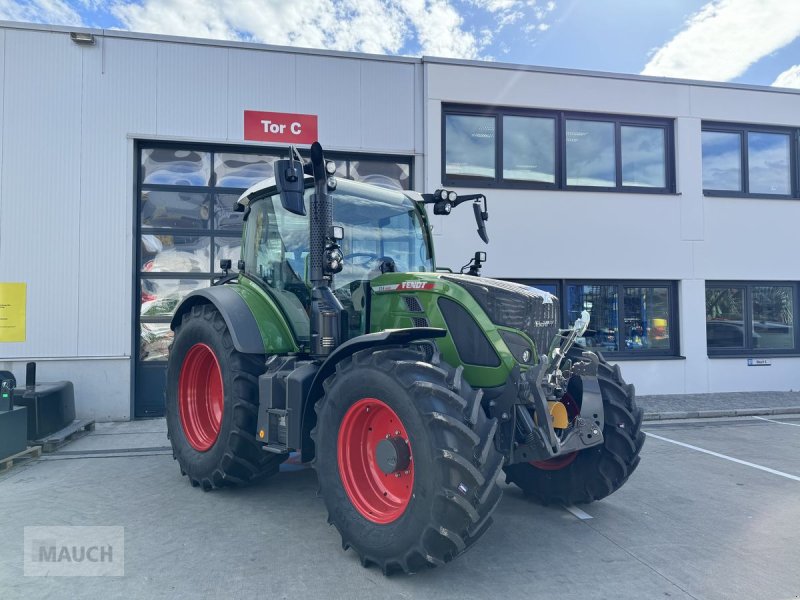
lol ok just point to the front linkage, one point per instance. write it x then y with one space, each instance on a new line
558 385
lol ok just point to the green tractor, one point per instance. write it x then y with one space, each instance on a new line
408 387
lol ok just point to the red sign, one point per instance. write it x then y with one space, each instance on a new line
280 127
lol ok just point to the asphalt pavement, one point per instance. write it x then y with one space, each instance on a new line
711 513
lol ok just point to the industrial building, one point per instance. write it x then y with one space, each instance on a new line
666 208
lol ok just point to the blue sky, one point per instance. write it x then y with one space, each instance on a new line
745 41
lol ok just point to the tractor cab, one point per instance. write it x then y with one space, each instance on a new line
383 231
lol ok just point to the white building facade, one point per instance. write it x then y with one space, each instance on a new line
666 208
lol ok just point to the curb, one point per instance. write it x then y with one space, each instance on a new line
716 414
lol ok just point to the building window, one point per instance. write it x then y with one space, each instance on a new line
629 319
471 146
740 160
513 148
529 149
751 318
590 153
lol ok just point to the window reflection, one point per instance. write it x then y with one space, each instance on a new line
168 166
646 321
174 209
470 146
768 163
154 341
175 254
384 173
643 156
725 317
160 297
773 318
722 161
590 153
224 215
242 170
529 149
227 248
601 302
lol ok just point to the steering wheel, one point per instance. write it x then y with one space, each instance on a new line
369 255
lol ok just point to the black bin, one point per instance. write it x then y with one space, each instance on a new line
51 407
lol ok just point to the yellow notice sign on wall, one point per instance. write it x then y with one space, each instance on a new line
12 312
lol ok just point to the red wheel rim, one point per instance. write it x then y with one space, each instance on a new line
561 462
200 397
378 496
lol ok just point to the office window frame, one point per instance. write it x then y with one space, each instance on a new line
671 353
743 130
560 149
747 318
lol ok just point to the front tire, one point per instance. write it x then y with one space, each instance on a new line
433 497
596 472
212 404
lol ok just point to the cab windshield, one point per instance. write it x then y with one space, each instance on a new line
381 227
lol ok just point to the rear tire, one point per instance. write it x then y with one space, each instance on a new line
595 472
440 501
212 404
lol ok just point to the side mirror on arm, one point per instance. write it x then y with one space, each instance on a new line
291 185
480 219
445 201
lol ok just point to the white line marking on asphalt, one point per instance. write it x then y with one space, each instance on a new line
726 457
578 512
778 422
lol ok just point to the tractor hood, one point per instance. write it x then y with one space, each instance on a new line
528 309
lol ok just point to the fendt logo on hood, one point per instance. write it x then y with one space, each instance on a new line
405 285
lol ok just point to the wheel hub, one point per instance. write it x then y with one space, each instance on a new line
392 455
375 459
201 397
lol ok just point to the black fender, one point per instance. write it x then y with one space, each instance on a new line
389 337
238 317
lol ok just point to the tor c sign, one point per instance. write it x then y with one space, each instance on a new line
280 127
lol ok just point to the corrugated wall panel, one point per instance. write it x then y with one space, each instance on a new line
331 88
3 233
117 99
259 81
41 186
387 106
191 91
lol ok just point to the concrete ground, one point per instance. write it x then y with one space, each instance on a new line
688 524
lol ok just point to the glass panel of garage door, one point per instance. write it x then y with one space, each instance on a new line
242 170
224 215
171 166
161 296
385 173
174 210
167 253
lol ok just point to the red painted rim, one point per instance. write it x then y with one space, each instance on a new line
561 462
379 497
200 397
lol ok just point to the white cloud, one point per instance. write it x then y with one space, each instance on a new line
790 78
55 12
725 37
376 26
